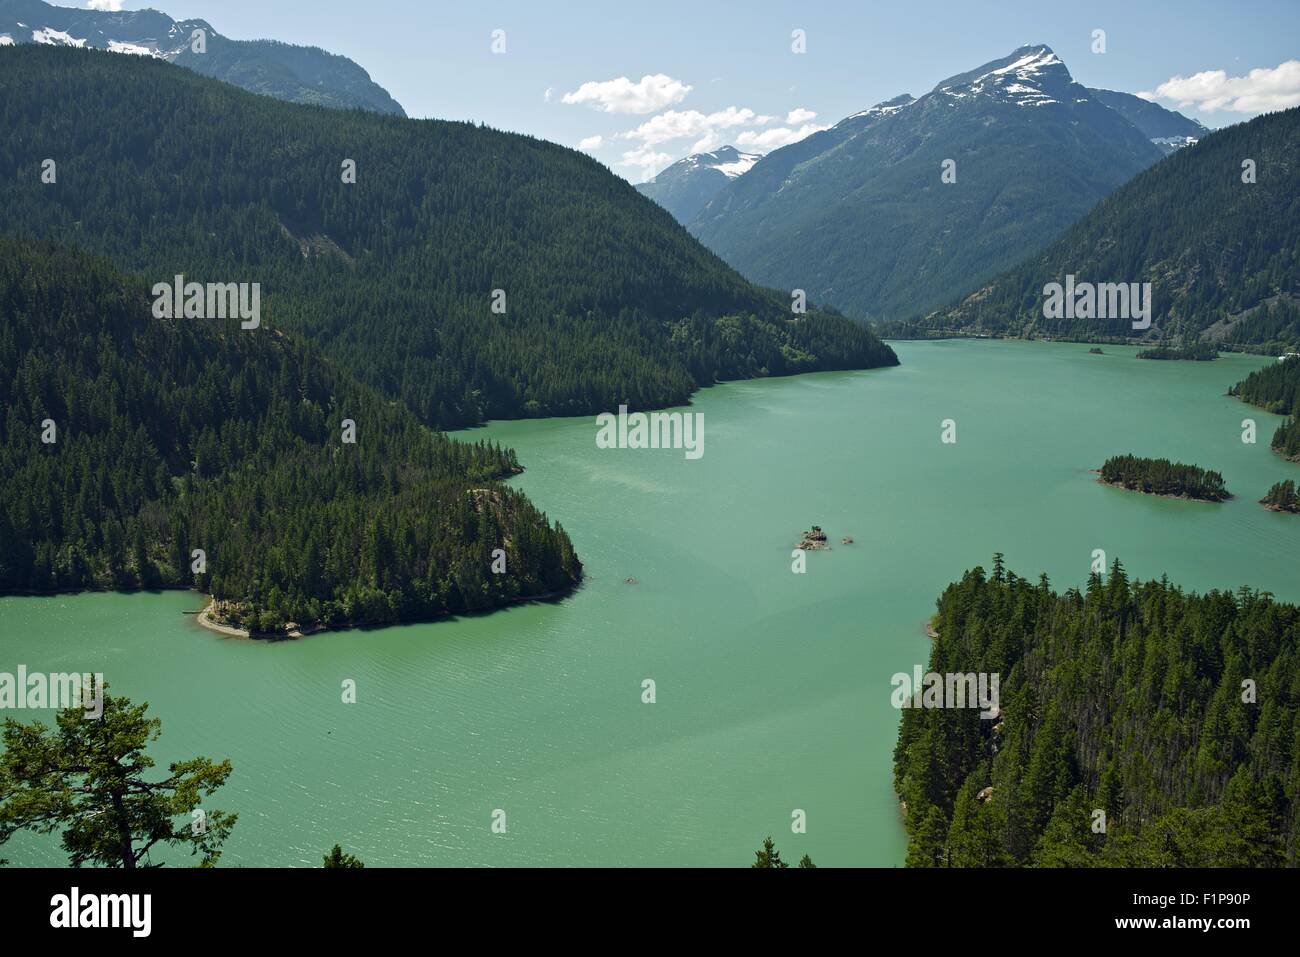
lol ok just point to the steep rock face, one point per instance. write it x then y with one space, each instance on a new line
286 72
860 217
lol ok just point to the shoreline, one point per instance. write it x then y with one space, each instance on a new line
1250 349
1182 498
204 619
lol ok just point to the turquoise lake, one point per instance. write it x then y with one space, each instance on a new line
772 688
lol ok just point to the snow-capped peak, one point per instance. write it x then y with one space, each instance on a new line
1030 76
727 160
1031 63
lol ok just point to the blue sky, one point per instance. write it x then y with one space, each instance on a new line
436 59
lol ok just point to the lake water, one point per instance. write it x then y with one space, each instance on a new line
772 688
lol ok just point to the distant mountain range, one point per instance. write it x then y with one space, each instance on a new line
688 185
860 217
685 187
1222 254
293 73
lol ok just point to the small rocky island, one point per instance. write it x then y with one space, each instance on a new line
1162 477
1282 497
814 540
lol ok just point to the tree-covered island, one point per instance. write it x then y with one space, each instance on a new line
1162 477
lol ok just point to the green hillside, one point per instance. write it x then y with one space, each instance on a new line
1222 255
607 299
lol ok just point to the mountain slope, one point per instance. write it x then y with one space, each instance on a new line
293 73
859 217
685 187
128 442
1167 129
1223 256
607 299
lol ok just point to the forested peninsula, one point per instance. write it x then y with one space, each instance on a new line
1196 351
139 453
1276 388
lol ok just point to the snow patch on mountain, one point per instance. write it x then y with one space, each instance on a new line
888 107
742 164
119 46
52 37
1031 64
728 161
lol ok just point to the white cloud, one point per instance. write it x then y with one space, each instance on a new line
680 124
546 96
646 159
778 136
708 131
708 142
591 143
652 92
109 6
1259 91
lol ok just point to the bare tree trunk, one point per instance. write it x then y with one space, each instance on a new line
124 832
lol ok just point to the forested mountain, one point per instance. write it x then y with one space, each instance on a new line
286 72
1174 715
607 300
861 218
1277 389
1222 255
685 187
128 442
1167 129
